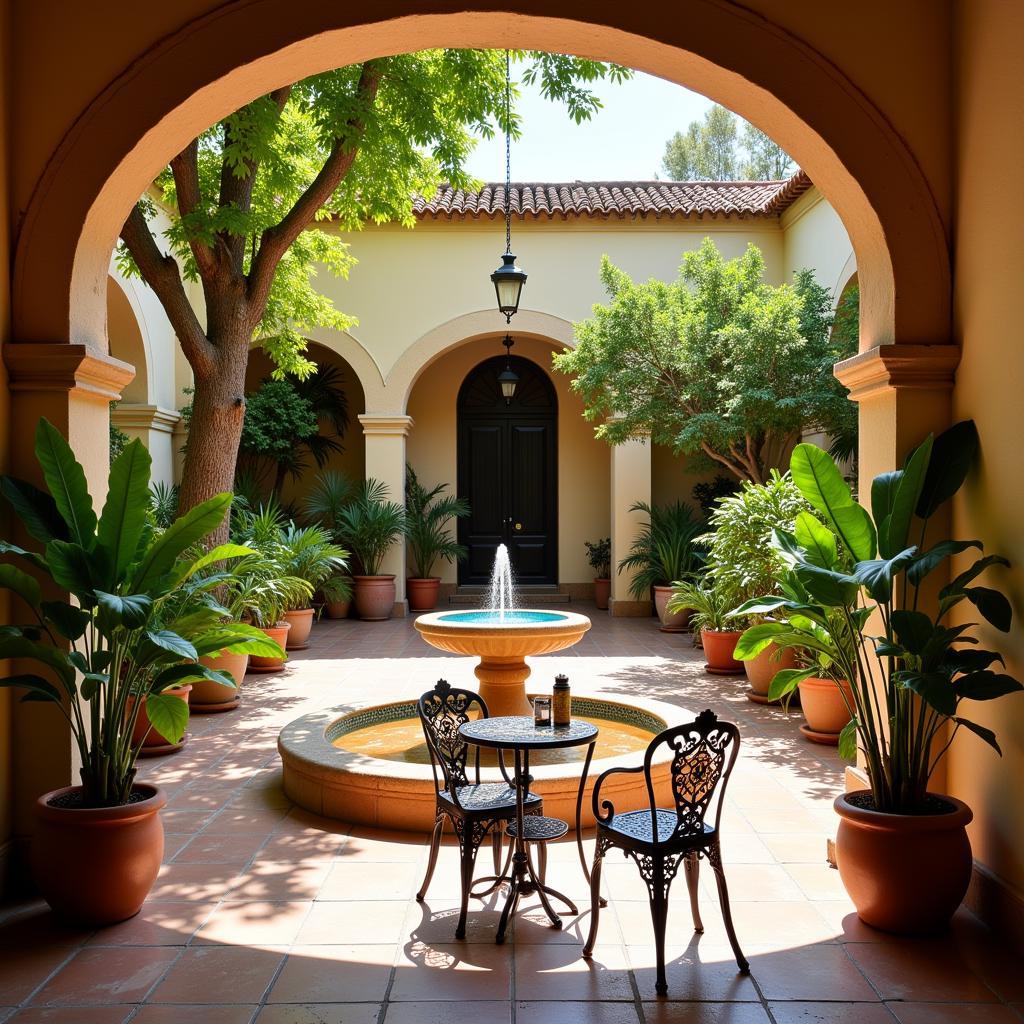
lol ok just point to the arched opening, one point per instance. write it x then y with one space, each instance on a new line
126 342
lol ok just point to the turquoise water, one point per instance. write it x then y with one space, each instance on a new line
491 618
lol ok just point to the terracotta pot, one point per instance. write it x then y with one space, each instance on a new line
374 597
761 670
669 620
280 634
719 646
207 692
338 609
97 865
422 593
823 705
154 739
301 622
906 873
602 591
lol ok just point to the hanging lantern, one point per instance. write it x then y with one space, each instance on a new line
508 378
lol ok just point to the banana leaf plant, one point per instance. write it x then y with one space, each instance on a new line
914 681
145 608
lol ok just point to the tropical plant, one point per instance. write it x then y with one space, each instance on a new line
337 589
707 493
143 610
709 601
163 504
664 550
599 555
369 525
427 514
910 682
308 553
330 493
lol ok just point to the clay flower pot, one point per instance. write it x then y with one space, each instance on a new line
374 597
301 622
422 593
153 742
338 609
824 709
97 865
671 622
210 696
761 670
602 591
280 634
906 873
719 646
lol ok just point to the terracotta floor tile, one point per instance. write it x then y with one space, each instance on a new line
254 923
352 923
830 1013
311 1013
563 1013
353 880
843 922
157 924
184 821
234 850
318 846
173 843
72 1015
670 1012
245 821
334 974
387 847
267 879
441 1013
199 1014
953 1013
434 921
747 883
796 849
810 973
912 969
452 972
204 883
693 974
23 970
817 881
113 975
214 974
546 972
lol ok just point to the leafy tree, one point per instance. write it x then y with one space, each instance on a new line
715 150
351 145
717 364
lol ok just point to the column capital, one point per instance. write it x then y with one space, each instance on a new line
387 425
138 416
77 369
903 367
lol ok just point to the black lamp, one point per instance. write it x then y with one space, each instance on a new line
508 378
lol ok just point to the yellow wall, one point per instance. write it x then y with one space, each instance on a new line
989 269
673 478
583 462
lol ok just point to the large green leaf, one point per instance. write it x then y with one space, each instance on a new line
36 509
933 687
968 575
6 548
69 621
832 589
36 686
221 553
124 513
65 479
894 497
168 715
25 586
15 645
128 610
986 685
876 574
952 455
912 629
786 680
817 541
979 730
848 741
178 675
73 568
931 559
192 527
755 639
993 606
172 643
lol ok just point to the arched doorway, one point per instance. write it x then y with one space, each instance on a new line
508 472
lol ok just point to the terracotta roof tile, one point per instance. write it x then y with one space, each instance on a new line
619 199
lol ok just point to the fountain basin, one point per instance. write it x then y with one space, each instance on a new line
331 769
503 641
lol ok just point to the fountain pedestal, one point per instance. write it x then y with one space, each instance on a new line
503 684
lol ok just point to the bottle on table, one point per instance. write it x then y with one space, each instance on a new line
561 701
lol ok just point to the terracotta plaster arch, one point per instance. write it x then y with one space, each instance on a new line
461 330
218 61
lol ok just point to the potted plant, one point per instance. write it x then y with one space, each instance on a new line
369 525
903 851
599 555
118 644
662 552
337 593
741 557
306 553
710 603
330 492
427 513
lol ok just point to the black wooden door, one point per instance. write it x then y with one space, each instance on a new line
508 472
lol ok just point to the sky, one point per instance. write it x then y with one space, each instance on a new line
624 140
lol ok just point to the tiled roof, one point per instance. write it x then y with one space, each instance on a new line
619 199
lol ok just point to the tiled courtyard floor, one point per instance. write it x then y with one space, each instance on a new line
264 913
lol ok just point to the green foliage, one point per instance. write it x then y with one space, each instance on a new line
710 602
369 525
599 555
914 678
427 514
708 151
277 418
118 438
707 494
144 608
330 493
308 553
716 364
664 550
163 504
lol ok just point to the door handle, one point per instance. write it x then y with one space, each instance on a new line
519 526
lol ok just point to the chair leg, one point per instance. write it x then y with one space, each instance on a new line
691 865
656 889
496 849
542 862
715 857
467 860
595 899
435 845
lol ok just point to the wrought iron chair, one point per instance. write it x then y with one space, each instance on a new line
475 809
660 839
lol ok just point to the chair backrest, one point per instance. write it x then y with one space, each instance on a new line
704 752
442 710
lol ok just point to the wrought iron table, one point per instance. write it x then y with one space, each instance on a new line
521 735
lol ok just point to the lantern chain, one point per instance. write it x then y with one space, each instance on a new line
508 151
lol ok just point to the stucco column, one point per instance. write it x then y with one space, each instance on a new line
156 428
72 386
385 461
630 483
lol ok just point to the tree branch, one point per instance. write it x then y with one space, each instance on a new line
185 168
736 468
161 273
275 240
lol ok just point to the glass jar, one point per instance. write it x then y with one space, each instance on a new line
542 711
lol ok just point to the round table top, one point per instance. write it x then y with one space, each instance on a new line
518 732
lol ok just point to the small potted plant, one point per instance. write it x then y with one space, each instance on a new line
337 593
307 553
330 493
599 555
903 851
369 526
118 647
710 603
662 552
427 514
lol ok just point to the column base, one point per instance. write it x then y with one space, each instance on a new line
621 608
